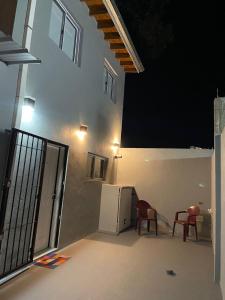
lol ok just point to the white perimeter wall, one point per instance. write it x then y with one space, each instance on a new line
169 179
213 199
222 242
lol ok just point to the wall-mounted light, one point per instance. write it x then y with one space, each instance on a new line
118 156
115 147
28 109
82 132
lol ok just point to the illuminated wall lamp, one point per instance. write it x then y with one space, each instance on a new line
115 148
82 132
28 109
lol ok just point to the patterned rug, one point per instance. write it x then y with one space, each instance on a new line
51 261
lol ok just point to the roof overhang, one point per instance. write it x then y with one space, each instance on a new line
11 53
110 21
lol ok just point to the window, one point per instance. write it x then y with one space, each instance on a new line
96 166
110 82
64 30
56 22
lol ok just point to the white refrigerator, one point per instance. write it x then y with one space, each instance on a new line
115 210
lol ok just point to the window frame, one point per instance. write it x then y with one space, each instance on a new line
109 71
91 172
77 41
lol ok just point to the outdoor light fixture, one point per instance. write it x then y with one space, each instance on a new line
82 132
28 109
118 156
115 147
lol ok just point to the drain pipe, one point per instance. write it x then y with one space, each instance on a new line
23 69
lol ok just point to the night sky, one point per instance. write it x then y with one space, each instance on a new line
170 105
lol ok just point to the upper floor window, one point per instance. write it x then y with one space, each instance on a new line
64 30
110 82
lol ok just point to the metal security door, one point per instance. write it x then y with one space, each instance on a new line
21 200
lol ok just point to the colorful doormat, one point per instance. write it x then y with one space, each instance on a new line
51 261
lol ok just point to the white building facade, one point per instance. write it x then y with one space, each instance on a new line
73 97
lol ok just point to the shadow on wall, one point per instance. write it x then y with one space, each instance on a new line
81 202
163 221
164 225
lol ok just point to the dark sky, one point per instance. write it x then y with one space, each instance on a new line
171 103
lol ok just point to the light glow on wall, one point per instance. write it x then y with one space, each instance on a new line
28 110
82 132
115 147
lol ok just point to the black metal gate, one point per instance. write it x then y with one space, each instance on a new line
21 201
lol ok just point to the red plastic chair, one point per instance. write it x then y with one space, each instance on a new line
145 212
192 212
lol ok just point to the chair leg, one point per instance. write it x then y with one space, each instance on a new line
184 232
148 225
187 230
174 224
136 223
139 226
196 232
156 227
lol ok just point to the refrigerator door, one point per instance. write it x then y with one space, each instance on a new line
108 221
125 208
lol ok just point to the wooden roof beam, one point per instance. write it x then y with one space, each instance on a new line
114 30
92 2
122 55
117 46
96 10
111 36
105 24
130 70
119 50
125 59
127 63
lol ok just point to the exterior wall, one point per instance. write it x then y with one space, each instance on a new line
67 95
170 180
216 207
222 241
8 78
8 89
219 211
218 197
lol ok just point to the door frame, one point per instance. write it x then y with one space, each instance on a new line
6 187
53 242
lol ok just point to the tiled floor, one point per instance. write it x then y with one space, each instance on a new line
123 267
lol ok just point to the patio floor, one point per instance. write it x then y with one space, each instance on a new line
124 267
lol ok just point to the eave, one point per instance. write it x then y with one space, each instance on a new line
11 53
109 21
